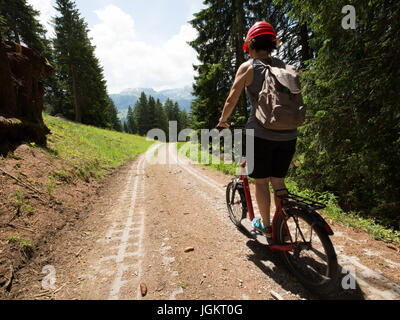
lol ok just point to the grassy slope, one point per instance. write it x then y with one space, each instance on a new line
92 151
333 211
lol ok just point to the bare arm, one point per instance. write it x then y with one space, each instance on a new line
244 77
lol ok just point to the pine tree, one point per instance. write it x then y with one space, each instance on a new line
177 115
126 128
216 52
142 115
168 107
79 69
184 120
221 52
289 29
131 122
116 122
151 114
173 112
69 38
161 117
23 26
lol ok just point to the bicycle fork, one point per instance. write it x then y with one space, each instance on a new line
246 187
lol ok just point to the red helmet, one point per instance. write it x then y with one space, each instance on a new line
259 29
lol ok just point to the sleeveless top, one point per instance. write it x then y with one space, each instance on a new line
254 90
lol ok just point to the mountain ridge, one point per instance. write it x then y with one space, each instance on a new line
129 97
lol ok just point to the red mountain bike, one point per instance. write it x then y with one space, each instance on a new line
300 234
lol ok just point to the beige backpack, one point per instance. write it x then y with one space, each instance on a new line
280 105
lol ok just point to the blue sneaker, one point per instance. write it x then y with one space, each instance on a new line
258 225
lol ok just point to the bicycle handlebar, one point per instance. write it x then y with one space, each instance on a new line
232 126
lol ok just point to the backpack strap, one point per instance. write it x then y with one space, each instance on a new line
252 98
265 65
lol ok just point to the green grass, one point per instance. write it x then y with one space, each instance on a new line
19 198
332 211
27 247
14 239
29 210
226 168
92 151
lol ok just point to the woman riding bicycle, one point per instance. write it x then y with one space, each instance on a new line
273 150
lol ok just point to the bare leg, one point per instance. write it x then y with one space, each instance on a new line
263 197
278 184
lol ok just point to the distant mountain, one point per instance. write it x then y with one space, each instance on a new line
129 97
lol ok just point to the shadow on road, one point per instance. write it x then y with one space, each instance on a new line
278 272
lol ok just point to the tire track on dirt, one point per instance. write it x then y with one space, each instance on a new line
126 237
116 267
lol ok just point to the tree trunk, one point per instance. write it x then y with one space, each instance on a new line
78 113
305 47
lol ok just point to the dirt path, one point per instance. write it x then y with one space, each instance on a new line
158 207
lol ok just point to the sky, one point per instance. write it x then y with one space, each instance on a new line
140 44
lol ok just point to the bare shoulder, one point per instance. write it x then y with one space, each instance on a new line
245 73
246 66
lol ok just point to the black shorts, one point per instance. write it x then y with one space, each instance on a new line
271 158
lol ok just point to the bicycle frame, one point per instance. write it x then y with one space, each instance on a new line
247 193
278 213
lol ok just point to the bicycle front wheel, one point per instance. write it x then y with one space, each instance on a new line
235 201
313 259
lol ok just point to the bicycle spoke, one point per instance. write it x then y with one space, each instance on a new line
318 274
319 254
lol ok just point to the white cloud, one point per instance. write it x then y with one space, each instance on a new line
130 63
46 13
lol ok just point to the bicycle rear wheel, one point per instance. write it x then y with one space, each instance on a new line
235 201
313 259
